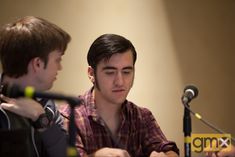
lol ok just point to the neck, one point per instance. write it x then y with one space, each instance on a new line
109 112
106 109
23 81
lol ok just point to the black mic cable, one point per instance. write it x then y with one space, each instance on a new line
199 117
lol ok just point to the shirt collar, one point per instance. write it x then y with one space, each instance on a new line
90 104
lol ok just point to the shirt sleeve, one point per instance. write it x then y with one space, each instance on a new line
54 138
55 141
153 137
65 110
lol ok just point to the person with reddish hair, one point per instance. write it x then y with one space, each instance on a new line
31 51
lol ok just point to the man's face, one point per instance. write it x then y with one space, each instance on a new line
46 75
114 78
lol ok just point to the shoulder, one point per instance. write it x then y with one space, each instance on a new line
140 112
79 110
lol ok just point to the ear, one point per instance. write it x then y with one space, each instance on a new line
91 74
36 64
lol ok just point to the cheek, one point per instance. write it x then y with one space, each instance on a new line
130 83
129 79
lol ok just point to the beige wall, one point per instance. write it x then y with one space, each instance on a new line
178 42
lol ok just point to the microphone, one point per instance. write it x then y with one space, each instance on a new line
15 91
190 92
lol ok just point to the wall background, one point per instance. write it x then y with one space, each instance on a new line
178 43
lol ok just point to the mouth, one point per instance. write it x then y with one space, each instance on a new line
118 90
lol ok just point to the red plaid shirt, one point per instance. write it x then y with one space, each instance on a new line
138 132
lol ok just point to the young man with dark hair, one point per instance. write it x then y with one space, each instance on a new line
31 51
108 124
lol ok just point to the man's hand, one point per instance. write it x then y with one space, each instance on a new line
25 107
162 154
110 152
223 153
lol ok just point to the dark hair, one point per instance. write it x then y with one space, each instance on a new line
27 38
106 45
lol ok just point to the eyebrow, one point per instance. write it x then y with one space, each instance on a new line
113 68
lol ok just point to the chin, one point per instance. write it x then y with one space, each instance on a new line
48 87
119 102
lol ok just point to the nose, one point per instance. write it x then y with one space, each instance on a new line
119 80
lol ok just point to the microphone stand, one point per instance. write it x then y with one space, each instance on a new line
71 150
187 128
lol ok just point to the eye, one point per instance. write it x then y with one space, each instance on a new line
109 72
126 72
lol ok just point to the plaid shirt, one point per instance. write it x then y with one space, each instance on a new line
138 132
